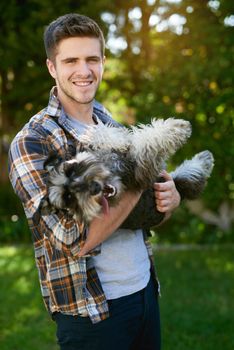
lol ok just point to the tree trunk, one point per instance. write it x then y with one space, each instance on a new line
222 219
4 128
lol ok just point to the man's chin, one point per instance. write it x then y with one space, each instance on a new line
83 100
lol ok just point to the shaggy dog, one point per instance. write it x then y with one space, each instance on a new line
111 160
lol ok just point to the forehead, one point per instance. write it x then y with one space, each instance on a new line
79 47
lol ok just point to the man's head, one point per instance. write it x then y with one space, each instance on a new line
75 51
68 26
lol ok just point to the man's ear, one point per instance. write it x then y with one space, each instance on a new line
103 63
51 68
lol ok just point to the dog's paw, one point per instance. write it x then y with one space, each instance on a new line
206 161
176 128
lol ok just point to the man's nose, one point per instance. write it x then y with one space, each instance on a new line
83 69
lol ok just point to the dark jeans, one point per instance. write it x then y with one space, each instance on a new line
134 324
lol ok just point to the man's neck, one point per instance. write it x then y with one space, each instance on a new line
80 111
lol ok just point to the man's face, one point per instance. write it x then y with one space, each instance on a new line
77 69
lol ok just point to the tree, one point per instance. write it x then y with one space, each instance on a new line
175 58
179 61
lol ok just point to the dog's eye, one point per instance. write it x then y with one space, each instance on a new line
70 169
94 188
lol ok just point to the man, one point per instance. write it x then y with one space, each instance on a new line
107 301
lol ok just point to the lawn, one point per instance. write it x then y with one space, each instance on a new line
197 303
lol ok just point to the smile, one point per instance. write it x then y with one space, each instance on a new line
82 83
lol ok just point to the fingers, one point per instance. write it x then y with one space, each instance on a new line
83 252
166 175
87 247
163 200
90 247
164 186
90 243
167 197
163 205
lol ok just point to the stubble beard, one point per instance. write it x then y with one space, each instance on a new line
71 96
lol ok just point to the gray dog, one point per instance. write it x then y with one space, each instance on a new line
111 160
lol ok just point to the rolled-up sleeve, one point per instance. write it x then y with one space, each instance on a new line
27 154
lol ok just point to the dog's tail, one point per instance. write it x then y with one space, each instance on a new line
191 176
152 144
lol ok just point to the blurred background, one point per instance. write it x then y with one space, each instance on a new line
164 58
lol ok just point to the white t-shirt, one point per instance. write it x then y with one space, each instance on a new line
123 266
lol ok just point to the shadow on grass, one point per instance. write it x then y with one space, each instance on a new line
24 322
197 298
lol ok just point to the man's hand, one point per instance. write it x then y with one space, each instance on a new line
167 197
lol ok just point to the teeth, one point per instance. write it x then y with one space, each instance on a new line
111 191
82 83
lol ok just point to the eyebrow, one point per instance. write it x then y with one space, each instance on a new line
77 58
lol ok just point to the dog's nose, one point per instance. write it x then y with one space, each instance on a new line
94 188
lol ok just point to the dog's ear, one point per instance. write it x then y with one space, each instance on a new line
52 160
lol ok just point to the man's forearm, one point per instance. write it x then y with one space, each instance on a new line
102 227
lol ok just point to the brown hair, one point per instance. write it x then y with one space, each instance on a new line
71 25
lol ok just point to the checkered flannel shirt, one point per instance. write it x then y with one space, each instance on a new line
67 282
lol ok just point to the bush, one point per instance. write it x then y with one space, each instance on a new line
13 223
184 228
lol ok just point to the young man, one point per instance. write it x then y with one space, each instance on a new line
107 301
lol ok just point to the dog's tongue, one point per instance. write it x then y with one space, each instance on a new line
105 206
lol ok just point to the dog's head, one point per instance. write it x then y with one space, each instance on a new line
81 185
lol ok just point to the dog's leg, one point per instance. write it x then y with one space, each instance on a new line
152 144
190 177
106 138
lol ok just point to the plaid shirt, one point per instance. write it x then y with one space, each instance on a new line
67 282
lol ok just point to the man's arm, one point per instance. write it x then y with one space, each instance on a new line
27 154
103 226
155 205
167 198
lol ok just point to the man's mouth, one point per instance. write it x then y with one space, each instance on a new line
82 83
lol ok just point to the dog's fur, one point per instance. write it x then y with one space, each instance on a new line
111 160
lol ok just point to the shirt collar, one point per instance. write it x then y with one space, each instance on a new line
54 107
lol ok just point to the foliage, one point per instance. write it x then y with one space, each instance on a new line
175 58
13 223
25 82
185 71
186 228
196 303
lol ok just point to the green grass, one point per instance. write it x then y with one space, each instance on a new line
197 300
197 303
24 323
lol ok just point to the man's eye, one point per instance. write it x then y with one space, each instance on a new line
94 59
71 61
